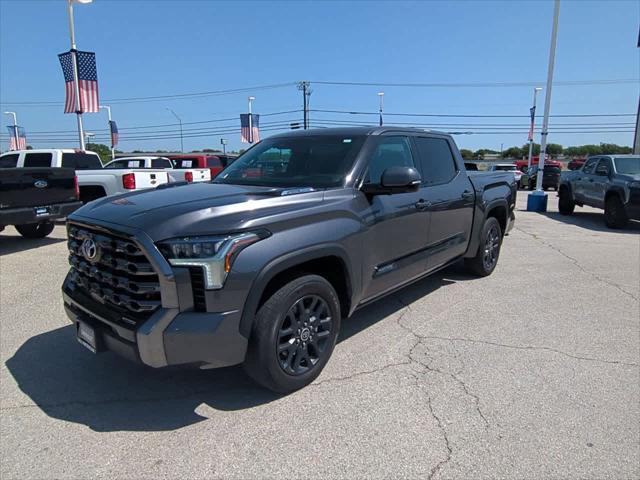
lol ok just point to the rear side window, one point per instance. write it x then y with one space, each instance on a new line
37 160
590 165
438 165
81 161
185 163
9 161
213 162
552 169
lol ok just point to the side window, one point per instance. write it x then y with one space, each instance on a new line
213 162
438 165
590 166
81 161
9 161
117 164
160 163
37 160
390 152
605 163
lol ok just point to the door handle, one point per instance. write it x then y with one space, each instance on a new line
422 204
467 194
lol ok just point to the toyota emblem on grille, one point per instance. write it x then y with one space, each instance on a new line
90 250
41 184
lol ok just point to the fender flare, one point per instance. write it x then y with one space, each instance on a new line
615 190
280 264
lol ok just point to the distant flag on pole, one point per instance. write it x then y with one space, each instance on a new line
114 133
22 138
88 79
532 111
249 134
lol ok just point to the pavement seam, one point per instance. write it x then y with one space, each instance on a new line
577 263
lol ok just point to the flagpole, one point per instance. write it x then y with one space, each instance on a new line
108 109
76 82
381 96
533 119
251 99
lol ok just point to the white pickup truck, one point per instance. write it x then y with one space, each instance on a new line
175 175
94 180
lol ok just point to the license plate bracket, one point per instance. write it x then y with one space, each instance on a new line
87 336
42 211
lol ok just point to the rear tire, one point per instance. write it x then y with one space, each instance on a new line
294 334
485 261
614 214
566 205
35 230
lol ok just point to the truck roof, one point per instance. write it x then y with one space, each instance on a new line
51 150
340 131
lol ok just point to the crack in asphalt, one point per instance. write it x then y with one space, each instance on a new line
360 374
533 347
577 263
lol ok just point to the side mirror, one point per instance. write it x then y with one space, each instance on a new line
602 170
395 180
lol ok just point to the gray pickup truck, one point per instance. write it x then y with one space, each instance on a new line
261 265
611 182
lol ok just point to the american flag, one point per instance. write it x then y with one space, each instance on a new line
88 78
114 133
532 111
249 135
22 138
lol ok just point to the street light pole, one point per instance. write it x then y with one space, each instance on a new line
76 82
223 142
15 127
251 99
108 109
180 122
381 97
533 120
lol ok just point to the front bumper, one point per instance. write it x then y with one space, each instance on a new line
174 334
27 215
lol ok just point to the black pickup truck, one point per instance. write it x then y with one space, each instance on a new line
31 198
261 265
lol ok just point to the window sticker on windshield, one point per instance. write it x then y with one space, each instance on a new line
133 163
346 140
187 163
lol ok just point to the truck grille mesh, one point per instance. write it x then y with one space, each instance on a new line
119 275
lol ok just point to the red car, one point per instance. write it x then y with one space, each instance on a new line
215 163
523 164
576 163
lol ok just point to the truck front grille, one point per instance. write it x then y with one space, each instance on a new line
119 275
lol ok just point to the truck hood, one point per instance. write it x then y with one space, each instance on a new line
198 209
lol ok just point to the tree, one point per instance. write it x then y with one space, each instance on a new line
554 149
466 153
535 150
103 151
512 152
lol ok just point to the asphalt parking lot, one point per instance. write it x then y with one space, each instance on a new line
533 372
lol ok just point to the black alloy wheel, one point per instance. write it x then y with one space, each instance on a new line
491 248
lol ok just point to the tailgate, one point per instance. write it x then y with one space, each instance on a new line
34 187
201 174
150 178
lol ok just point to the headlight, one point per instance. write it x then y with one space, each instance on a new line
215 254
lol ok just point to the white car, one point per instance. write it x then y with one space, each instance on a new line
507 167
175 175
94 180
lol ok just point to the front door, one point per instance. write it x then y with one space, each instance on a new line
450 198
600 182
398 224
583 184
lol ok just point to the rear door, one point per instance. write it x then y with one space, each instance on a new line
450 199
583 184
398 224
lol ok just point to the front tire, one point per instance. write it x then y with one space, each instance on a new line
35 230
614 214
294 334
485 261
566 205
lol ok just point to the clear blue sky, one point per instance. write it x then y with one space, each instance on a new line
148 48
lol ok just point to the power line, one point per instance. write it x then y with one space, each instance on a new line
481 84
452 115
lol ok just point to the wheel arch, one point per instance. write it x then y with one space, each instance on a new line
328 261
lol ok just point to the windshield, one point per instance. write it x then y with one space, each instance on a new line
505 167
628 165
320 161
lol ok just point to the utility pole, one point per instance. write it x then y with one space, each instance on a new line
15 127
533 122
108 109
223 142
180 122
537 201
74 58
306 93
